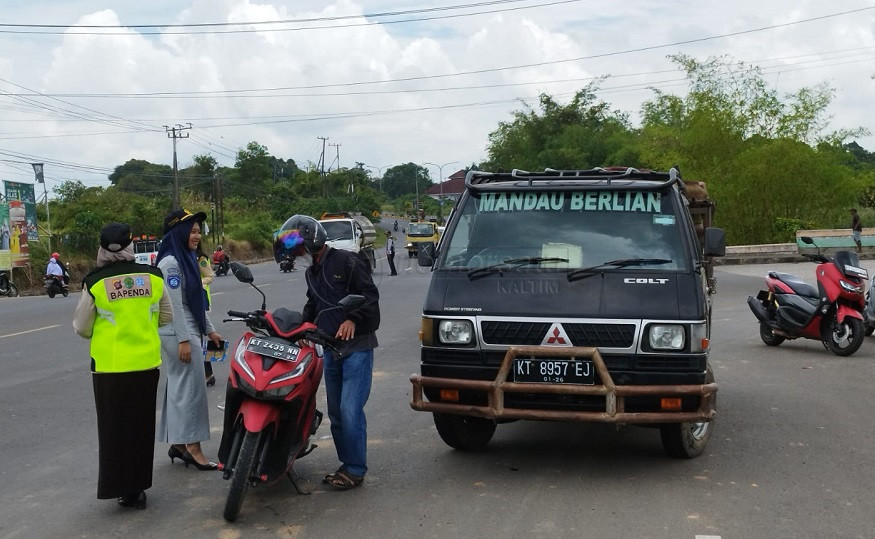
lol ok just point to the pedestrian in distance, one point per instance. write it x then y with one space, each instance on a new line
390 252
120 310
185 421
856 229
332 275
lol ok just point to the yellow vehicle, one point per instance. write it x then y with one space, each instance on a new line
421 234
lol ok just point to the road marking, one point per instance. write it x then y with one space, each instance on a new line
216 293
707 537
29 331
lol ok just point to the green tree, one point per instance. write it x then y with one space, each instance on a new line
406 178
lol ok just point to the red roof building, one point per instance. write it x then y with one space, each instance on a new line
450 189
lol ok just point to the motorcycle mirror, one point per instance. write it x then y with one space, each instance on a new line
352 302
807 240
242 272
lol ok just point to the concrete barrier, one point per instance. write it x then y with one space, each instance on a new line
830 240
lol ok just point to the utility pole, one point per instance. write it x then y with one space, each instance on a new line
322 167
176 132
221 213
337 147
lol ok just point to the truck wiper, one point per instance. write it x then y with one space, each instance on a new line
486 270
582 273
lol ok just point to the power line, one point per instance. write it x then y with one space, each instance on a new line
67 29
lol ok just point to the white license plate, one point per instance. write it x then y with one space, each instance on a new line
553 371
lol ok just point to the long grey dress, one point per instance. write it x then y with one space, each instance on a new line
185 418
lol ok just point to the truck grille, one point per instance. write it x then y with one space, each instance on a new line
532 333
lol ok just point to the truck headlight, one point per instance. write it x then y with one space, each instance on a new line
455 331
667 337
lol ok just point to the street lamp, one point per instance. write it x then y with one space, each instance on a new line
441 182
380 170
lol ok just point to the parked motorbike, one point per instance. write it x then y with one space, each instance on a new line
7 287
831 313
55 285
270 400
222 267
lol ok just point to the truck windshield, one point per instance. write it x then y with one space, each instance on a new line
338 230
420 229
585 228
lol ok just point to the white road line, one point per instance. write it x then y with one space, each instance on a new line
216 293
29 331
707 537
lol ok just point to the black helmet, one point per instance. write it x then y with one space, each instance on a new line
218 247
299 234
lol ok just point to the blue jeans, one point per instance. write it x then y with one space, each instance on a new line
347 387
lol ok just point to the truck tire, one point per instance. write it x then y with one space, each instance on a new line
768 337
464 433
688 440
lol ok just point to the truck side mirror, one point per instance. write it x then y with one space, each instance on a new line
715 242
425 256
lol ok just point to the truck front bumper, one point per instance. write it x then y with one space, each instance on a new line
614 397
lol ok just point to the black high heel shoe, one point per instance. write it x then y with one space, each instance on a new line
136 501
211 380
175 453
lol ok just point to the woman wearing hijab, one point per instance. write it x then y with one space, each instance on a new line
185 420
120 309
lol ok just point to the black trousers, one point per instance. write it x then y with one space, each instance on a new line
391 259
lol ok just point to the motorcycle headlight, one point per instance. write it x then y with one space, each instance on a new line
241 360
667 337
455 331
851 287
297 371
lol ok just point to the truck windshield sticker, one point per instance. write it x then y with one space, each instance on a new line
618 201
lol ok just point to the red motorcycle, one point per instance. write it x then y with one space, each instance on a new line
270 401
831 313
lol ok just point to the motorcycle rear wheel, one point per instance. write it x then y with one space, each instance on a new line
768 337
846 338
244 468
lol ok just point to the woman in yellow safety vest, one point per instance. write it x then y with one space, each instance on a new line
122 305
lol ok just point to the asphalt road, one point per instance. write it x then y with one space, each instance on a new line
791 455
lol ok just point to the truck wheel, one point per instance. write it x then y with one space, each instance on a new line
464 433
768 337
844 339
688 440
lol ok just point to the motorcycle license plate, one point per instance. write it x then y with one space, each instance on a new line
273 348
553 371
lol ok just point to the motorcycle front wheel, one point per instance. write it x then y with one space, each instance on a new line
846 338
12 291
244 468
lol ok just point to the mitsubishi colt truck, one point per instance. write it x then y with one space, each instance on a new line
572 295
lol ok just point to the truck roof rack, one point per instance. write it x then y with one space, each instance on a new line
551 178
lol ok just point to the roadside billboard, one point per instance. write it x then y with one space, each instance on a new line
21 216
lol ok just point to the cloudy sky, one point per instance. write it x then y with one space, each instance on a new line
86 85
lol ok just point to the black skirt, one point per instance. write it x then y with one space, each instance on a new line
125 405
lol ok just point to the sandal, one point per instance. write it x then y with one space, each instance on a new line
344 480
330 477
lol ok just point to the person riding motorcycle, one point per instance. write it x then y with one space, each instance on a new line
218 255
53 270
66 274
396 225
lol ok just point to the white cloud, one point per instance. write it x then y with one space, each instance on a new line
319 68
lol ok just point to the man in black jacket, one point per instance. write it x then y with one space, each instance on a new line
333 275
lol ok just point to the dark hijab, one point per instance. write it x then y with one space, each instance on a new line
175 243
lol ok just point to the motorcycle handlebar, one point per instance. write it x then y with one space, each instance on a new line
238 314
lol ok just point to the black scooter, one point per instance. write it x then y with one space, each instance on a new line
7 287
55 285
222 267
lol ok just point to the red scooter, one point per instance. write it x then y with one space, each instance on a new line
830 313
270 401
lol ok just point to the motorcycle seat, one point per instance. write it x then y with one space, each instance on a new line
795 283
